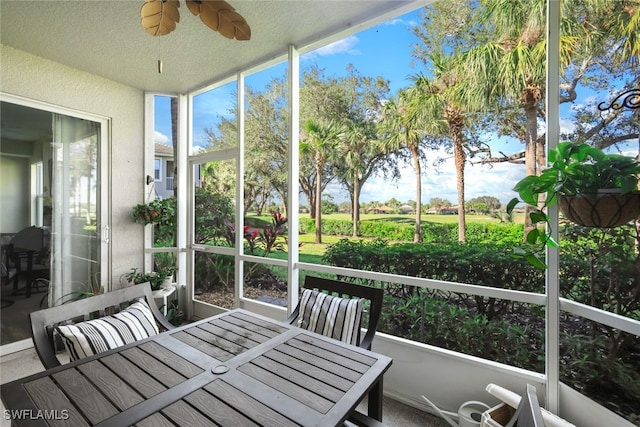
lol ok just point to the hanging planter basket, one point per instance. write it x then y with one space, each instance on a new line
146 215
150 215
153 212
607 209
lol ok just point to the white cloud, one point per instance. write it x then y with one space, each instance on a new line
495 180
346 45
160 138
567 126
401 21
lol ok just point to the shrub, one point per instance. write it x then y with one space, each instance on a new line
591 271
483 233
430 319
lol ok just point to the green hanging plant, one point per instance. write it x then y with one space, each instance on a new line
592 188
155 212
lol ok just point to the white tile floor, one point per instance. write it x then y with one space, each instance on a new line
26 362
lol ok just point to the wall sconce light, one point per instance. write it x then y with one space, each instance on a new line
150 179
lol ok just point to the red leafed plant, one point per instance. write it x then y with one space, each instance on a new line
263 241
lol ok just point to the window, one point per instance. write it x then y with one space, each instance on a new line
157 165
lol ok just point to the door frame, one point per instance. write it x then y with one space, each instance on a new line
104 174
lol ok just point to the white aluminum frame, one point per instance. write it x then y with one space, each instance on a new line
551 300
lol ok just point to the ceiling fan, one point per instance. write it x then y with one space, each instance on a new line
159 17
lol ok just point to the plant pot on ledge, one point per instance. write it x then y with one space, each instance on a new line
609 208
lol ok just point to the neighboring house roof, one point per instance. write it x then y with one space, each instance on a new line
383 208
163 150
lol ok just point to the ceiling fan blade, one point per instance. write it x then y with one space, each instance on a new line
194 7
159 17
243 30
221 16
233 25
209 15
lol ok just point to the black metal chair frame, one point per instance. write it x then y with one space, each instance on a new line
30 262
43 321
375 296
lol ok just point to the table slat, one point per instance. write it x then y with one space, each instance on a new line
185 415
213 351
137 379
158 370
320 363
219 341
250 407
46 394
113 387
86 397
216 409
347 352
284 386
299 378
235 334
156 420
315 351
257 325
313 371
177 363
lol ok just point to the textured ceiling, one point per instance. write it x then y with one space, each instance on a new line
105 37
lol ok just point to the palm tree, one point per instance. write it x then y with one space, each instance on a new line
321 140
436 103
511 67
362 154
403 131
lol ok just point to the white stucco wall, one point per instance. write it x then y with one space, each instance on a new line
14 183
42 80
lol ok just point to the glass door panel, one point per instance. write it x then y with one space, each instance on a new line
75 236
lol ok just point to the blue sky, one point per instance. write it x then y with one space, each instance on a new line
384 50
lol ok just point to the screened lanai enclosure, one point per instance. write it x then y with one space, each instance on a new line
294 156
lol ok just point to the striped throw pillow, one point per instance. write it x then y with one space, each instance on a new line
95 336
331 316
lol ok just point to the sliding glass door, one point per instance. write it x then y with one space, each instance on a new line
77 225
54 166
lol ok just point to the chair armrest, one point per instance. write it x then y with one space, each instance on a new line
368 339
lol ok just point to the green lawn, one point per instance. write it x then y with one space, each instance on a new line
410 219
312 252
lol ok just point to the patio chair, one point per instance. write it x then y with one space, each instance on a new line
27 255
339 289
345 300
129 313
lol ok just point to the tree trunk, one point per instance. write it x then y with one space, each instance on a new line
355 214
455 120
307 188
459 156
417 235
318 206
530 98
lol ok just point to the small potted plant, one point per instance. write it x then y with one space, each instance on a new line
591 188
157 279
154 212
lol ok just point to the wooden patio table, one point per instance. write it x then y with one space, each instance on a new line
237 368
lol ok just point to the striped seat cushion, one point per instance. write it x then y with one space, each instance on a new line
331 316
95 336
